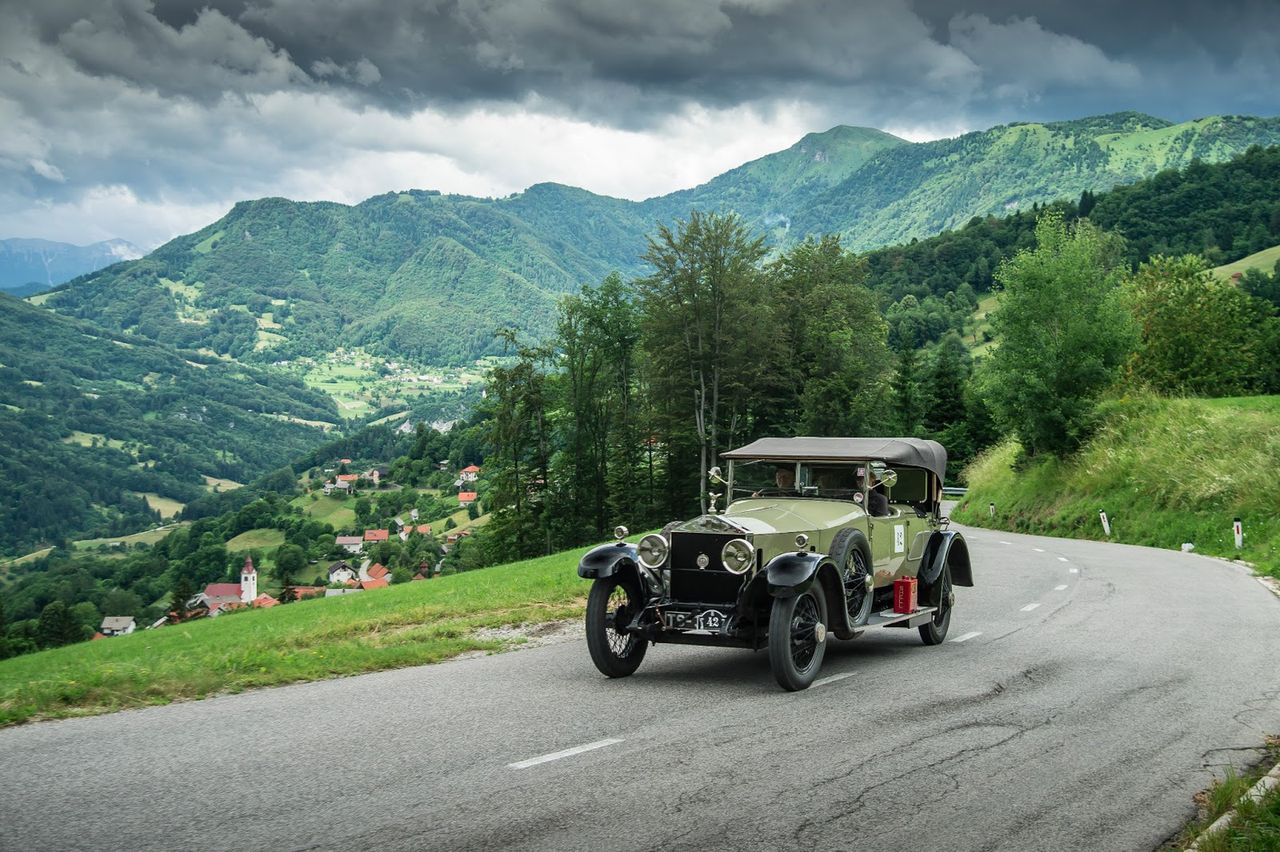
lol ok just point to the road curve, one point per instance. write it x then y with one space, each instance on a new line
1096 689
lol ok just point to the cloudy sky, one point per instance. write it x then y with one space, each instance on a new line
144 119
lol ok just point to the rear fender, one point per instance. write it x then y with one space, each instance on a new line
946 548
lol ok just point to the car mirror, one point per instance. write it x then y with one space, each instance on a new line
886 476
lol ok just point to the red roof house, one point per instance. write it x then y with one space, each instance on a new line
263 601
348 477
377 571
466 498
373 584
376 535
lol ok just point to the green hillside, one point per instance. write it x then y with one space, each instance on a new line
404 625
1167 471
100 431
429 276
1266 260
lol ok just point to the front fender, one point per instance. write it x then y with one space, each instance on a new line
791 574
946 548
607 560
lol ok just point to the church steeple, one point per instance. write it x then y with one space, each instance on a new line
248 581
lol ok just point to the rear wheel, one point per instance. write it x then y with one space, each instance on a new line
798 638
936 630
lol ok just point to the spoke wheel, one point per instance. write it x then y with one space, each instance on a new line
936 630
797 638
858 596
612 604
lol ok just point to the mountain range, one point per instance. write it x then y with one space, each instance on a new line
30 265
432 276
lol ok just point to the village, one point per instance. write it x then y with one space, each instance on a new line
358 553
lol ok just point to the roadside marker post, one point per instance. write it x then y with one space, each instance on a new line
991 509
1238 529
1106 524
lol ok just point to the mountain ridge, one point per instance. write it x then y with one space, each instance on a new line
507 260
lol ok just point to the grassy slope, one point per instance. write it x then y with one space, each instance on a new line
1166 471
1264 260
412 624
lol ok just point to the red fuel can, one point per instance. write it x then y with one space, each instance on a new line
904 594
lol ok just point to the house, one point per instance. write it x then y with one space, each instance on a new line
372 584
341 572
377 474
406 428
420 576
376 535
300 592
470 473
344 461
264 601
422 529
117 625
379 572
343 487
350 543
349 478
451 538
466 498
413 514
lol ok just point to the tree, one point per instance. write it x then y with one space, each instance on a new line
1197 334
58 626
702 314
183 591
1062 335
908 406
291 561
401 575
944 384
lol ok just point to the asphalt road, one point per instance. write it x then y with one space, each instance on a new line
1086 721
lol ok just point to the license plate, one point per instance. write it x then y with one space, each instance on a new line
710 620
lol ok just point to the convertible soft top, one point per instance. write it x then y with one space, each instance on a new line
909 452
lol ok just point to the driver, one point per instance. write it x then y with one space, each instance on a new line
877 503
785 480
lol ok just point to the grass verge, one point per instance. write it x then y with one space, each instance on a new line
1166 471
405 625
1256 825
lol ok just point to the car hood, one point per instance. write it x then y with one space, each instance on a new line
768 515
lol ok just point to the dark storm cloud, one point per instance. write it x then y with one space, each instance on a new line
213 100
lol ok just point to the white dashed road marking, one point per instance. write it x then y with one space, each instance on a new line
1062 559
966 637
1059 588
823 681
1006 542
1030 607
1075 570
1038 549
569 752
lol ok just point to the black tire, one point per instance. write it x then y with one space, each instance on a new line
795 650
612 600
936 630
850 552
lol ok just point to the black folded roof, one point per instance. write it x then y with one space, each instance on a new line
909 452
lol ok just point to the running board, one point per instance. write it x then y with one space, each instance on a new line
889 618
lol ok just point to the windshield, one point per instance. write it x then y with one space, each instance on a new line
831 481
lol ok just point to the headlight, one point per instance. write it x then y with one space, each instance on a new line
737 556
652 551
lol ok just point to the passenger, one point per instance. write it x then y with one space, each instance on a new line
877 502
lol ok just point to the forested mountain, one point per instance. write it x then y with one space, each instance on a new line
91 423
29 266
432 276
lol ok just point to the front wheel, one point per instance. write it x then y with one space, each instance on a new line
798 638
936 630
612 604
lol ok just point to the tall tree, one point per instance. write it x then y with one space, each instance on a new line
701 310
1062 334
908 403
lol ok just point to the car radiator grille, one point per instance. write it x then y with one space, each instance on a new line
710 585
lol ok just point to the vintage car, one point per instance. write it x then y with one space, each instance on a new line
814 535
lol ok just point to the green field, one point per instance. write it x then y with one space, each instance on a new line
338 512
1265 260
406 625
982 323
213 483
144 537
87 439
166 506
260 539
6 564
1166 471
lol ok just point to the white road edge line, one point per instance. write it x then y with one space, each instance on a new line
1075 570
1006 542
569 752
1059 588
1030 607
823 681
966 637
1063 559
